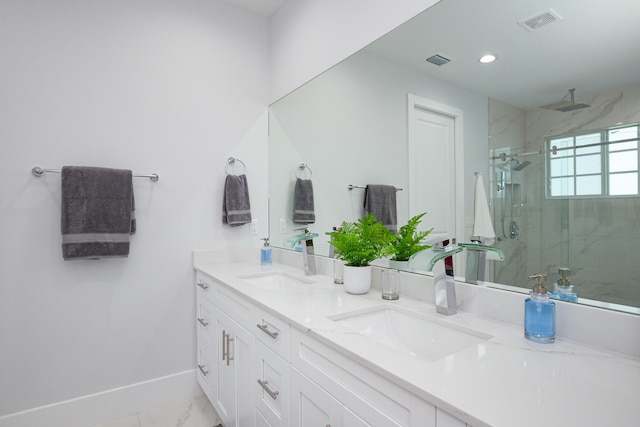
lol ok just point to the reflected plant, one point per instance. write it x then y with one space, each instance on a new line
408 240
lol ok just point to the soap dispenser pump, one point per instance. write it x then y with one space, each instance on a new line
539 313
563 289
265 252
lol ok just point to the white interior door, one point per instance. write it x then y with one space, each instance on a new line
435 133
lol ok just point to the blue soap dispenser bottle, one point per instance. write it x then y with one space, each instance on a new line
265 252
563 289
539 313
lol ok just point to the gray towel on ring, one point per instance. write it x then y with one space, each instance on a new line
236 208
97 215
381 201
303 210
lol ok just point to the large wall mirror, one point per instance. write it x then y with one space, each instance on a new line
576 205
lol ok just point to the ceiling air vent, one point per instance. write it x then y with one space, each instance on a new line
438 60
532 23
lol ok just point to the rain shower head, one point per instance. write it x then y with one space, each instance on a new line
565 105
517 165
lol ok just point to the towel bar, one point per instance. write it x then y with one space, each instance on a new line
38 171
364 187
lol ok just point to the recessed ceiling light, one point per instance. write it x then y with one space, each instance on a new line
486 59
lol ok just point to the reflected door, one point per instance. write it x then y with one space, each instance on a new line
432 168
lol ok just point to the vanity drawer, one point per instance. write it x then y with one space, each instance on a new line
206 365
272 386
273 332
205 286
205 321
236 307
369 396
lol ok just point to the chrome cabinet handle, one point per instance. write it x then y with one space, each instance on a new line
224 341
229 358
273 394
203 285
201 367
265 329
202 321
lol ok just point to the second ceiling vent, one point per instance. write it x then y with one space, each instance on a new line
538 20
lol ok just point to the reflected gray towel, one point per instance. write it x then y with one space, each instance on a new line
236 209
97 216
381 201
303 211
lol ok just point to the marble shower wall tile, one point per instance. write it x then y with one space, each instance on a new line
597 260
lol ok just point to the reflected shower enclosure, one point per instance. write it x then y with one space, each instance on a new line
565 194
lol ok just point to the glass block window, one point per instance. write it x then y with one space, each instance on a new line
594 164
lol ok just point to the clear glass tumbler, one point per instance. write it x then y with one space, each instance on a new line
338 272
390 284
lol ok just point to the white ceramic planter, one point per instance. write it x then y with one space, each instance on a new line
357 280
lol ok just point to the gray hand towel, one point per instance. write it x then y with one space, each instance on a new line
303 211
381 201
97 212
236 209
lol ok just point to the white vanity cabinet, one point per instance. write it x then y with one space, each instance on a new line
258 371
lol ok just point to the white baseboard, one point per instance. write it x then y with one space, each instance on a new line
94 409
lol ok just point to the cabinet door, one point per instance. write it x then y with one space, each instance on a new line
234 389
311 406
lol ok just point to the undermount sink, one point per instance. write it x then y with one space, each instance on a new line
271 280
409 332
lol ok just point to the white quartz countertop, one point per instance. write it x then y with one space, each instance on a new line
506 380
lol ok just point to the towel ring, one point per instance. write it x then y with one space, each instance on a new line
301 168
231 161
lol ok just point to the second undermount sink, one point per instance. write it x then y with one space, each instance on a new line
271 280
410 332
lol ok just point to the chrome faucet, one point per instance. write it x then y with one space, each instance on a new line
443 282
477 255
307 249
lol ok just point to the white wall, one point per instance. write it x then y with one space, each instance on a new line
150 85
154 86
308 37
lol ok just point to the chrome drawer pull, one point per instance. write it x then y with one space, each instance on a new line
202 322
224 342
273 394
201 367
265 329
203 285
229 358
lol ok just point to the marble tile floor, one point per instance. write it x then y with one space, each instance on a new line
197 412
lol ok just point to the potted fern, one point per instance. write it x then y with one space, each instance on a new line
408 241
358 244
